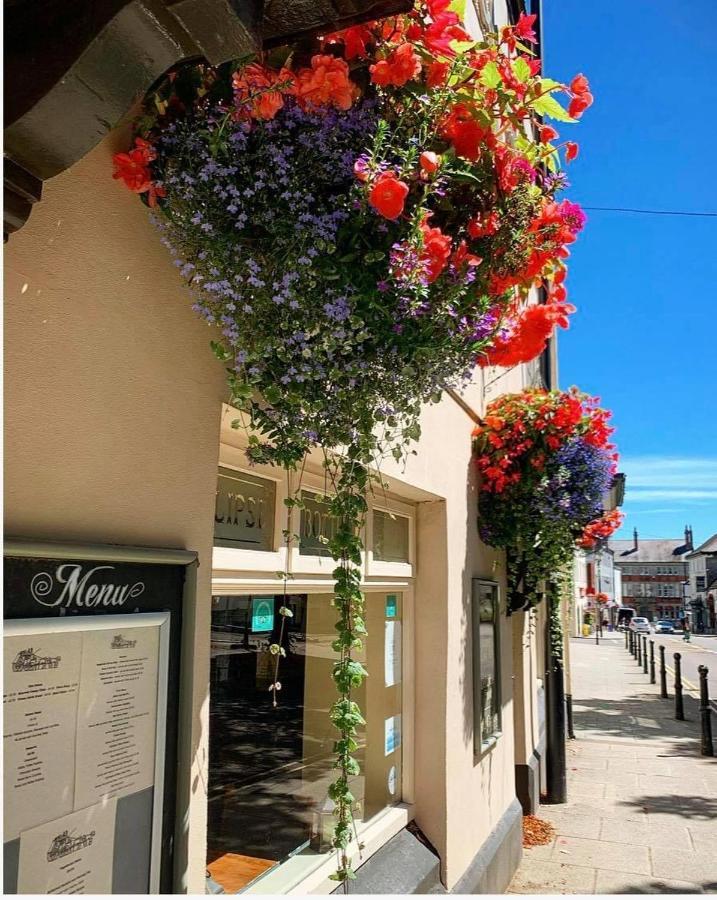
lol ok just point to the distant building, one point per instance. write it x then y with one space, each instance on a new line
702 575
653 574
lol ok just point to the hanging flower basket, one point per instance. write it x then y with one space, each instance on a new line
361 226
545 463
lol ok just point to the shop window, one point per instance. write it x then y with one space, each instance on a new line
244 511
317 526
390 537
486 663
270 768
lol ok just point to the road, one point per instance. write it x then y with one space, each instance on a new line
701 650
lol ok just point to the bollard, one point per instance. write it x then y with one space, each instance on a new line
663 674
626 636
679 706
632 643
652 663
639 649
644 654
705 713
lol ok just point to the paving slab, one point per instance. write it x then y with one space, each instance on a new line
641 817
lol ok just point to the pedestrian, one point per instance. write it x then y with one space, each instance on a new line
686 631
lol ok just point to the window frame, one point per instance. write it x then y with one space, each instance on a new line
481 743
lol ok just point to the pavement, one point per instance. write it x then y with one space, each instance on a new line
641 817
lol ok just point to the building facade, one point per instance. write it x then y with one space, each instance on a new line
118 435
654 574
702 576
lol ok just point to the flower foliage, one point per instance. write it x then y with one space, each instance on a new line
364 224
545 462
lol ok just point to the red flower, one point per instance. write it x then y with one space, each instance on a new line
547 134
354 40
484 225
253 90
571 151
461 257
464 132
133 167
579 85
326 83
436 251
523 28
437 74
582 98
388 195
398 69
429 161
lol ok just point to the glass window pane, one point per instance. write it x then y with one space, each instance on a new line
486 663
270 768
244 511
317 526
390 537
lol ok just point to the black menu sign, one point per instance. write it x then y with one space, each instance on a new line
92 642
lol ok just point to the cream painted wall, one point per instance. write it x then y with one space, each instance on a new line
112 409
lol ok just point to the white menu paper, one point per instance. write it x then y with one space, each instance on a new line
40 691
117 714
70 855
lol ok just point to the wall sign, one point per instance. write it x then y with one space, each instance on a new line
244 511
318 526
262 614
92 641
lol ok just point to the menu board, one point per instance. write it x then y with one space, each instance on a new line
82 721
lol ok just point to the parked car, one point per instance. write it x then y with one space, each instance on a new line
640 624
664 626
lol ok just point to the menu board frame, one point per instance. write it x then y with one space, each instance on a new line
102 583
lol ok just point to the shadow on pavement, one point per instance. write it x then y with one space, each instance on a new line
687 806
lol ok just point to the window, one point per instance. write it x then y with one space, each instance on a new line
270 768
318 526
244 511
390 537
486 663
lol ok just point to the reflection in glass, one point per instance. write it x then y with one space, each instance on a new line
270 768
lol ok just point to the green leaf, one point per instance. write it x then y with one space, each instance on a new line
490 76
521 69
547 105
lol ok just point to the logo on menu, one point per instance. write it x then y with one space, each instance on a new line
121 643
63 844
29 661
71 587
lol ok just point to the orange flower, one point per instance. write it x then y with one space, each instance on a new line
388 195
398 68
326 83
254 91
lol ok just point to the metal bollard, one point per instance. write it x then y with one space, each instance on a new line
630 645
679 706
705 713
652 663
663 674
639 649
626 636
644 654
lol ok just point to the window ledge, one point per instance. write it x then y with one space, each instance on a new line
292 877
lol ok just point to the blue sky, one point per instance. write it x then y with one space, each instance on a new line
644 338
